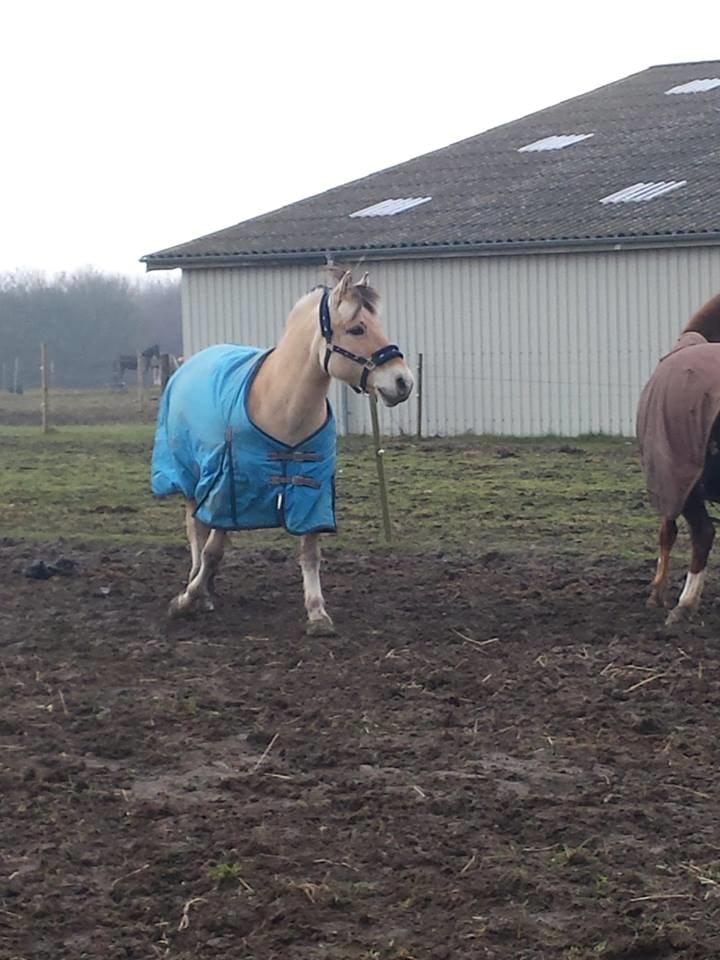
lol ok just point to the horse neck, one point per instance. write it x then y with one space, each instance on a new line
706 321
289 396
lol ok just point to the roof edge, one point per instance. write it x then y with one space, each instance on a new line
486 248
682 63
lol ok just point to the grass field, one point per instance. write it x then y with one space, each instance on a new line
90 481
79 407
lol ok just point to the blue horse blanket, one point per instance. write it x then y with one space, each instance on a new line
208 449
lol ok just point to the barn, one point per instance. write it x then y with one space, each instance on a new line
540 267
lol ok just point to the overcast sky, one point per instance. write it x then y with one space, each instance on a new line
131 126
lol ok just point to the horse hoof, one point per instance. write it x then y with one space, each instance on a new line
207 604
320 628
679 614
176 609
661 600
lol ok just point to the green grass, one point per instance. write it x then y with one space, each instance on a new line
79 406
476 494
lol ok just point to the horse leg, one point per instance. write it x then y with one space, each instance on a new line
659 587
319 623
702 533
199 586
197 534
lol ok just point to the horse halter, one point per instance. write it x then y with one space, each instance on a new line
390 351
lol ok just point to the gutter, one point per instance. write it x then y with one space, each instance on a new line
428 251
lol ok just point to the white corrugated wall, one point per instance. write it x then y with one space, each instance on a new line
518 345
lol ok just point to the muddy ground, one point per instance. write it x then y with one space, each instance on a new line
495 758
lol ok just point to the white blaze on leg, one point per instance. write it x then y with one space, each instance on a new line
310 566
192 528
692 591
210 558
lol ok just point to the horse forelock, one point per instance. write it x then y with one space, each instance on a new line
368 297
363 294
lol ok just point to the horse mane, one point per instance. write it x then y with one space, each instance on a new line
706 321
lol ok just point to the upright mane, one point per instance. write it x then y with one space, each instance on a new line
362 293
706 321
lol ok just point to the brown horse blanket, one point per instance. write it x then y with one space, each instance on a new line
676 413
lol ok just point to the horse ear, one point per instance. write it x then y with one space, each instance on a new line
341 289
364 281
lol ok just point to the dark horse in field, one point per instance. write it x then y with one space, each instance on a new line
678 428
129 361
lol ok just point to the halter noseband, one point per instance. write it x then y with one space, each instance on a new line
390 351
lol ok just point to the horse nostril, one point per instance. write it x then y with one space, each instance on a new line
401 384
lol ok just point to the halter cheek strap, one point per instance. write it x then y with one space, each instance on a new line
389 352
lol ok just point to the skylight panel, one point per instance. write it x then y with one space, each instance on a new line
643 191
388 208
556 142
696 86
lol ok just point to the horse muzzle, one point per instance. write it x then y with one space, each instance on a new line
393 385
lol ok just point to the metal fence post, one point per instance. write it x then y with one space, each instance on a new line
419 395
380 467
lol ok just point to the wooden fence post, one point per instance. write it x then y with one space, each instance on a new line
44 376
16 375
419 395
164 370
140 382
380 468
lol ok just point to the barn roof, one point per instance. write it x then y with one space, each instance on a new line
635 161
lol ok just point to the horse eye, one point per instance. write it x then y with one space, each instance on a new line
356 331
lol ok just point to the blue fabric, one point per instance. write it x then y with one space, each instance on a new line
208 450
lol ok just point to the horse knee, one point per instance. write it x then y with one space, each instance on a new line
212 552
211 559
310 553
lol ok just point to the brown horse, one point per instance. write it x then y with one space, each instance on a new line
679 434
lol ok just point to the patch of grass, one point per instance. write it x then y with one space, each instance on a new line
586 953
573 857
184 705
225 874
602 885
474 494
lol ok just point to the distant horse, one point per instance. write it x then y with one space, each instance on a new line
163 368
679 434
247 436
129 361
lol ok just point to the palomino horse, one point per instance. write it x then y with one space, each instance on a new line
247 436
679 434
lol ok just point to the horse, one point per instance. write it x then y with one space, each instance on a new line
129 361
247 436
678 430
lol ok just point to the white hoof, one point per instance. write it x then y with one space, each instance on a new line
324 627
680 614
